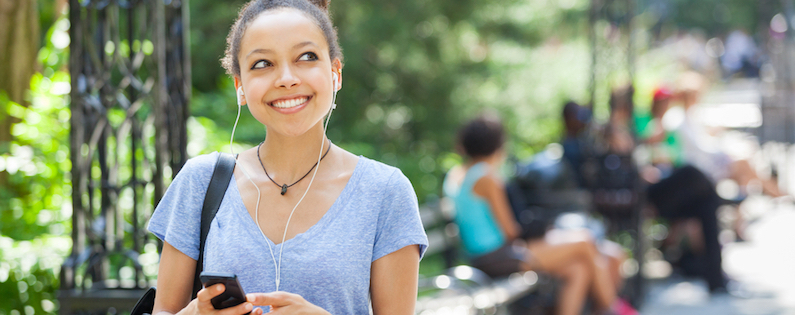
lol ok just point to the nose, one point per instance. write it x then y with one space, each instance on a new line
287 78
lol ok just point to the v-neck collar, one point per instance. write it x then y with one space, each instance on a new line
240 208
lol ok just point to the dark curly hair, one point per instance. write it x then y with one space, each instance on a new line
317 10
481 136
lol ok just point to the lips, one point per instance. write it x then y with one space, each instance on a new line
290 103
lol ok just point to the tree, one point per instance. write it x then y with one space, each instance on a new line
19 44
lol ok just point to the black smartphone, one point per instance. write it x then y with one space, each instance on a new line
233 293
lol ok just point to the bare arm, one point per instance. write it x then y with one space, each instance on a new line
175 285
174 280
493 191
393 281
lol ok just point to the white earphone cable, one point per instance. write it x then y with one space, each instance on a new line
278 265
234 127
245 172
284 236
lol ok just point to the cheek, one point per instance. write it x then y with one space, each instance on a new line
315 78
257 87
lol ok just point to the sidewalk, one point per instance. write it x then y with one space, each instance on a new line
765 263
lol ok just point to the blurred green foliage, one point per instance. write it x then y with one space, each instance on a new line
37 199
35 206
29 274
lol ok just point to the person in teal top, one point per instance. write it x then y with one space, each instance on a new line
490 233
480 232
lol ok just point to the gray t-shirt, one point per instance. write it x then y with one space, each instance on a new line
329 264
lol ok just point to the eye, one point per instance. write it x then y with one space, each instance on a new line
308 56
260 64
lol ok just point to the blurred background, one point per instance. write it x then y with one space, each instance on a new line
414 71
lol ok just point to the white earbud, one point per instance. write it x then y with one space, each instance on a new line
240 95
335 84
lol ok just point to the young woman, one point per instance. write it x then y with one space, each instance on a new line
489 230
307 227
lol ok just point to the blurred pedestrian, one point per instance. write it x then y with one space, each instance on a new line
678 191
576 145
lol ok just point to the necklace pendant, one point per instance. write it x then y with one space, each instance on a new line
284 189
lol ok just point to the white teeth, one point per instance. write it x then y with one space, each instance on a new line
290 103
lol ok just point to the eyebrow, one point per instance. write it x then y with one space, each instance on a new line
266 51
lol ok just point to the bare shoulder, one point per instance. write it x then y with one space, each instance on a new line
487 184
347 160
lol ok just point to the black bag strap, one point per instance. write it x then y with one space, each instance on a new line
212 201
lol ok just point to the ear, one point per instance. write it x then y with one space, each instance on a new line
336 68
241 98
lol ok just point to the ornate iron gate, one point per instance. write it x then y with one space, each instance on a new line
611 35
130 77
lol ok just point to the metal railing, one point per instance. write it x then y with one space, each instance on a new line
130 79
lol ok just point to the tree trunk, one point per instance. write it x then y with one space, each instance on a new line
19 44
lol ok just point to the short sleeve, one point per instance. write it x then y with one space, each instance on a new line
177 218
399 223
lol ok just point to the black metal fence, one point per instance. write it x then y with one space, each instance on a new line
130 77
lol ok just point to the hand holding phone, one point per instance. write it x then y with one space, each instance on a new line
233 293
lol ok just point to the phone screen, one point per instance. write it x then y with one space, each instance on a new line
233 293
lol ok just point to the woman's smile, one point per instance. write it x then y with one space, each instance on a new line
290 102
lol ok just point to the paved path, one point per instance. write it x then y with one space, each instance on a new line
765 264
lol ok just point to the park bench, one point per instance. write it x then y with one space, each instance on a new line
461 289
466 290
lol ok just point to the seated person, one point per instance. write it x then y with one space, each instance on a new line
575 142
489 230
680 191
619 133
613 180
664 146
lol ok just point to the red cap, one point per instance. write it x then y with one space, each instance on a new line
662 93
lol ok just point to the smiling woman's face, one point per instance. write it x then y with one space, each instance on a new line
286 72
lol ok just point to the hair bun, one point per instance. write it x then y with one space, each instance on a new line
323 4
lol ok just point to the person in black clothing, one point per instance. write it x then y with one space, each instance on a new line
688 193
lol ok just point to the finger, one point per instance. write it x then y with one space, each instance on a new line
241 308
206 294
276 299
